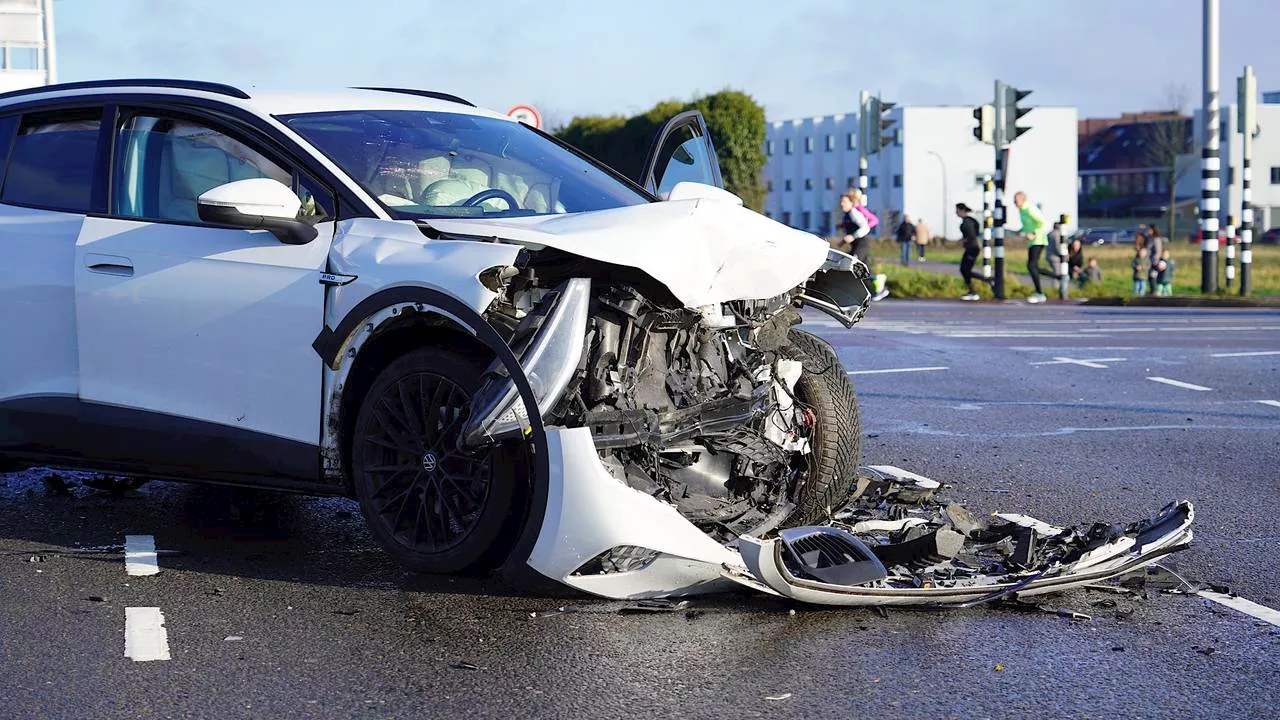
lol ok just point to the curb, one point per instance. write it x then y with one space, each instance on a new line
1219 302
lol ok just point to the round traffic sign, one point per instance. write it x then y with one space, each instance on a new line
527 114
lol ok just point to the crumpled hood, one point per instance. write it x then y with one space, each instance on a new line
704 251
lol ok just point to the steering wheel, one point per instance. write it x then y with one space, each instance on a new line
491 194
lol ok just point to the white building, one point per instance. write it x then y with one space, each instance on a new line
934 163
1265 165
27 57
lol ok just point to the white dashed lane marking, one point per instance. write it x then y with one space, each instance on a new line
1260 353
896 370
1180 384
145 637
140 555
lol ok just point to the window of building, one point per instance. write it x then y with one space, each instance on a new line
853 183
826 222
788 146
768 147
808 144
873 182
851 142
52 161
831 183
1151 183
786 185
805 220
1275 176
808 183
786 219
831 143
897 181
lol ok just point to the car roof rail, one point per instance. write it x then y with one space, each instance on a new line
205 86
422 93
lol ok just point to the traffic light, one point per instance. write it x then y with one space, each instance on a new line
985 132
1013 113
877 122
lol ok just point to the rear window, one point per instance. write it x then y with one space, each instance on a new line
52 161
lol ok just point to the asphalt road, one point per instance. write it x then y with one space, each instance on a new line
278 606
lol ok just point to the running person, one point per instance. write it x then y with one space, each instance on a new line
1033 229
972 246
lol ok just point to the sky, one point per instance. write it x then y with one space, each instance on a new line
798 58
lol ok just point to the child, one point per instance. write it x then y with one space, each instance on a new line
1164 274
1090 274
1140 268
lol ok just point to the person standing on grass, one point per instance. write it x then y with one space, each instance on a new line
1033 229
1140 269
906 235
972 246
1164 274
922 237
1155 248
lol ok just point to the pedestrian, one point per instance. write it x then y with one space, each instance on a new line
1075 258
1091 273
860 203
1155 247
923 236
855 231
906 235
1164 274
972 246
1140 269
1033 229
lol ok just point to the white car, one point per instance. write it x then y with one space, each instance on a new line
508 353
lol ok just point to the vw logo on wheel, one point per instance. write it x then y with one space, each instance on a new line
429 461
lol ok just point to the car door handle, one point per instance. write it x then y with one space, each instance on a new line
109 264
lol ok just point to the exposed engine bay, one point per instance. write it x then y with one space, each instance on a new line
697 407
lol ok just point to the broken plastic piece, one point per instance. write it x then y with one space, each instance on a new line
832 556
938 546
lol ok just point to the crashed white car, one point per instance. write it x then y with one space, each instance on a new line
508 353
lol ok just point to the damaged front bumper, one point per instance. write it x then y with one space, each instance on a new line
895 545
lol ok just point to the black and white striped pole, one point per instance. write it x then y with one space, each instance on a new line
1248 108
1064 262
1229 251
1210 161
997 287
988 200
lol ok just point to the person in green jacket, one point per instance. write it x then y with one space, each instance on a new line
1034 230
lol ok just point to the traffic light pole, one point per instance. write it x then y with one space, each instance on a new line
1210 160
1248 106
997 287
864 100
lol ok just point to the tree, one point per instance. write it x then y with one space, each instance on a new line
1166 141
736 123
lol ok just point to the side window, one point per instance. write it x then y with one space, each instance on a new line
52 160
317 200
686 159
164 164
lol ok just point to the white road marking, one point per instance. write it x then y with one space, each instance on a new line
1091 363
1248 607
895 370
145 637
140 555
1247 354
1179 383
1272 403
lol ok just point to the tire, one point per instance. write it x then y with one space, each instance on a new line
836 439
430 506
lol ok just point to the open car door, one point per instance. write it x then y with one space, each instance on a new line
681 152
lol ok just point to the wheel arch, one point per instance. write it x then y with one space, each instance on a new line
405 317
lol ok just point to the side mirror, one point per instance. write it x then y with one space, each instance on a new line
257 204
689 190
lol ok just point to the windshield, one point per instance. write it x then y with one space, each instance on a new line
436 164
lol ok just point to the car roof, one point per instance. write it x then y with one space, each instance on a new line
261 101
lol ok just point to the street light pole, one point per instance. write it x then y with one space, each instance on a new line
942 164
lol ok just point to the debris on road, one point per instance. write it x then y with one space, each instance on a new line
464 665
782 696
654 606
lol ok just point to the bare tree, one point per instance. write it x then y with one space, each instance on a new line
1168 139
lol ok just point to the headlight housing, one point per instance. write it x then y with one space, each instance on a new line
549 349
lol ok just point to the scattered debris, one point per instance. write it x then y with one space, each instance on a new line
645 607
999 667
233 638
56 484
1206 651
1107 604
562 610
1124 614
96 598
216 592
1117 648
782 696
464 665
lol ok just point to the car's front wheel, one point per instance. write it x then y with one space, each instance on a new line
432 506
836 438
